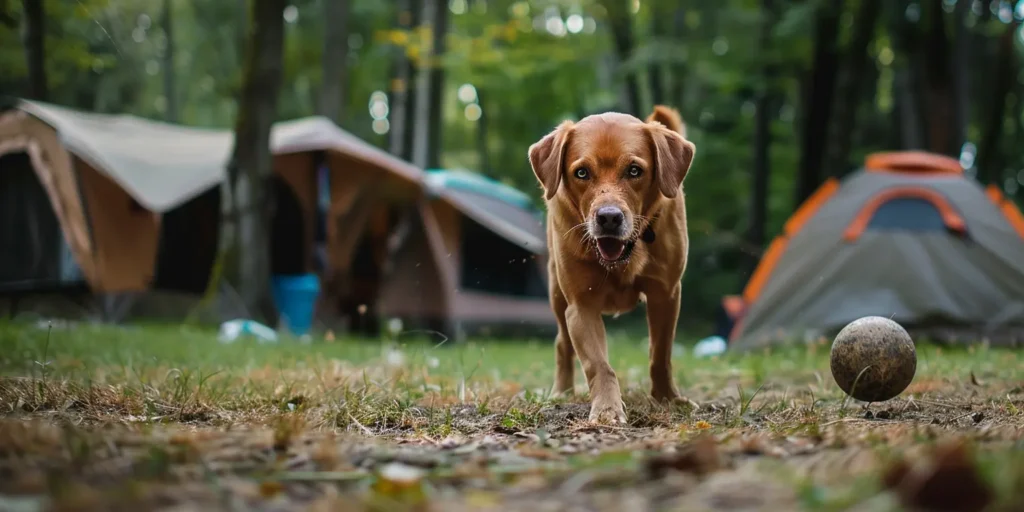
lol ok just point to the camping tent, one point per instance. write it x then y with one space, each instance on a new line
475 256
910 237
118 203
136 202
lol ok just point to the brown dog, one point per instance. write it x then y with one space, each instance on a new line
616 233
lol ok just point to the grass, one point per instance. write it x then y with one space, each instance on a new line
103 416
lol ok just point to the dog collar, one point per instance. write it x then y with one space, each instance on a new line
648 235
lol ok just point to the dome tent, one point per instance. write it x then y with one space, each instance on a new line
909 237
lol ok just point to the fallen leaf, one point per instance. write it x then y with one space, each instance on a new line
269 489
700 457
702 425
759 445
535 452
949 480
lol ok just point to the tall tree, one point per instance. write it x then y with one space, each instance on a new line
661 19
679 70
335 59
762 134
481 137
851 84
169 74
908 75
621 22
430 88
403 94
818 104
250 168
963 43
34 38
990 160
938 83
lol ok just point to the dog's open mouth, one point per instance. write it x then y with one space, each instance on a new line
612 249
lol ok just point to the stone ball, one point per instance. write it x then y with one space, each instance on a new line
882 350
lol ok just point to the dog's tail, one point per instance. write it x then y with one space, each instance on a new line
669 117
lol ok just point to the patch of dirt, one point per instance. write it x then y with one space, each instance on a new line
786 455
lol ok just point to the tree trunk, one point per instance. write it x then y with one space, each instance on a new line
660 18
34 38
906 46
961 70
938 84
818 104
435 119
242 28
622 34
990 159
481 138
251 164
170 92
334 60
678 94
430 88
762 136
402 92
849 90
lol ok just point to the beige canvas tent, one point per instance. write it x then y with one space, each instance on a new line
474 257
908 237
133 205
112 183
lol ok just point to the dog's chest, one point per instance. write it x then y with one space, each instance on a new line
616 297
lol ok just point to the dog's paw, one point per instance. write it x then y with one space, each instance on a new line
671 397
607 412
685 402
558 392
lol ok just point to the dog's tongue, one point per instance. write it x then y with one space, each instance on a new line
610 248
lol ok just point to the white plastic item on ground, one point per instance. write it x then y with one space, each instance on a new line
234 329
710 346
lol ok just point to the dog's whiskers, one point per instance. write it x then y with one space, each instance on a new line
574 228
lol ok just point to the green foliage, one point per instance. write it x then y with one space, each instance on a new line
106 55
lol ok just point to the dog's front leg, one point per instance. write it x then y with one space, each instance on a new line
565 356
662 316
586 330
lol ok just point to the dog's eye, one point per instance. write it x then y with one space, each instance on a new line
582 173
634 171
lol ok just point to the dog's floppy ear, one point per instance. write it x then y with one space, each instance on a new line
673 155
547 157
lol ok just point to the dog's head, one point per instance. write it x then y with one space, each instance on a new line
611 169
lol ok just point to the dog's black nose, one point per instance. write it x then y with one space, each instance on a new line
609 218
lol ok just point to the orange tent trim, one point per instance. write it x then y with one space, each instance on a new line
950 217
793 226
918 162
1009 210
811 206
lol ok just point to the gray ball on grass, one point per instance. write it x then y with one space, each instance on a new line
877 350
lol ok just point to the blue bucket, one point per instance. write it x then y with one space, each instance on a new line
295 297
